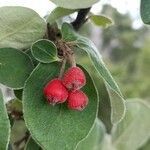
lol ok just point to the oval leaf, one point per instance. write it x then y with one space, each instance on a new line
44 51
145 11
132 131
101 20
4 125
74 4
85 44
94 138
20 27
59 12
15 67
56 124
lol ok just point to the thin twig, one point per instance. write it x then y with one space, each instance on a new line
62 68
81 18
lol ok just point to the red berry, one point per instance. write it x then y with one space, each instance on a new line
74 78
55 92
77 100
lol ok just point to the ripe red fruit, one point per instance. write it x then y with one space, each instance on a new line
55 92
74 78
77 100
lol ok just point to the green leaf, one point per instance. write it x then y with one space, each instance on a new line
32 145
28 52
20 27
94 138
74 4
56 127
117 106
101 20
15 67
4 125
44 51
85 44
133 130
18 94
146 146
145 11
58 13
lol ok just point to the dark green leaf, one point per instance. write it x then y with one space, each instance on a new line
85 44
56 127
18 94
145 11
101 20
133 130
28 52
15 67
32 145
58 13
20 27
74 4
94 138
44 51
4 125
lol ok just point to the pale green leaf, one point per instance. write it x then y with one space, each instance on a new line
117 106
101 20
56 127
20 27
145 11
85 44
133 130
58 13
4 125
44 51
15 67
74 4
94 138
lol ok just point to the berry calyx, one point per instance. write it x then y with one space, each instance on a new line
55 92
77 100
74 78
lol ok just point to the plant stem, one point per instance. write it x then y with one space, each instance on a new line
81 18
62 68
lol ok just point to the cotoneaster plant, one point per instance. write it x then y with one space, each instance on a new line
55 74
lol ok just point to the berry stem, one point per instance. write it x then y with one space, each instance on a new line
71 58
62 68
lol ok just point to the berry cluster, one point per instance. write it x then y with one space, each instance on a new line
68 89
